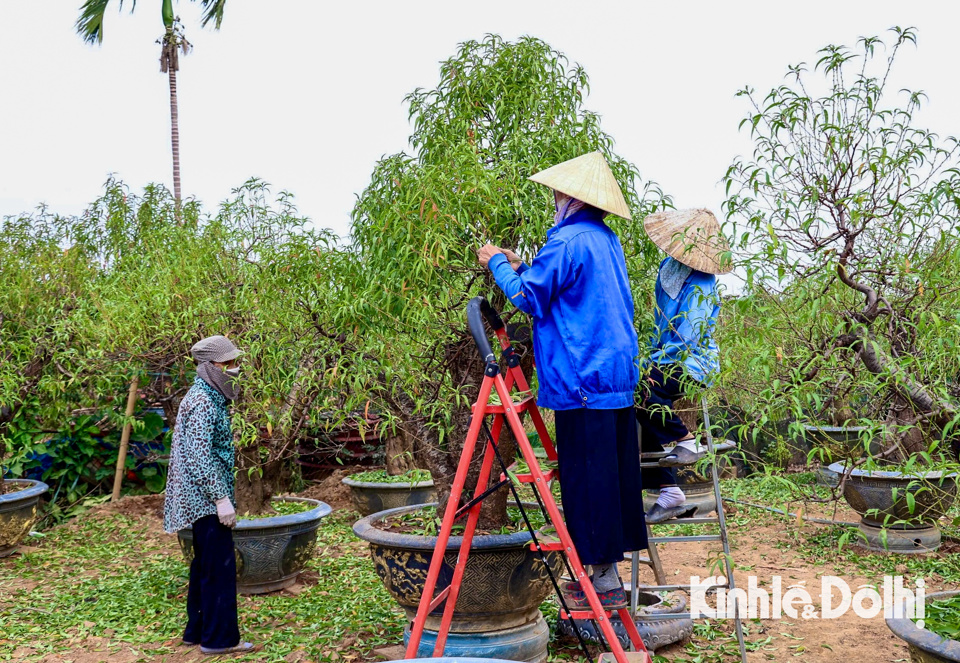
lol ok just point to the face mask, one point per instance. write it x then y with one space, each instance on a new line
232 372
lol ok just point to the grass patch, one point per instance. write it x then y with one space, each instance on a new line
426 522
108 578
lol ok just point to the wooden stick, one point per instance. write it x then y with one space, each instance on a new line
125 439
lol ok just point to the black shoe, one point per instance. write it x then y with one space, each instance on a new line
659 514
679 457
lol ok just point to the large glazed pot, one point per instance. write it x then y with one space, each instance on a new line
271 552
18 512
497 614
881 499
924 646
866 490
371 497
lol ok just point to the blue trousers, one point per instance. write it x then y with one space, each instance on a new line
212 593
599 460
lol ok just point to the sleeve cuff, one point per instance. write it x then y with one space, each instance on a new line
522 268
496 260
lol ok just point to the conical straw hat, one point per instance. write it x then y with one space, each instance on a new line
587 178
691 236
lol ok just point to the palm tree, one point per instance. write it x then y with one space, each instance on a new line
90 27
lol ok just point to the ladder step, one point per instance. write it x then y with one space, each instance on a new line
583 614
665 617
695 520
726 445
549 541
517 406
439 598
589 614
680 539
642 560
548 475
673 588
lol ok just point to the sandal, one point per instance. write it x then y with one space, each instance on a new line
242 648
615 599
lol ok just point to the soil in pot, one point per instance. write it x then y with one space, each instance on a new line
424 522
280 507
943 617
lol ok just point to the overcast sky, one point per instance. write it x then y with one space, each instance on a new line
308 95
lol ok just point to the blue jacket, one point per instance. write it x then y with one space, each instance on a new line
684 327
577 292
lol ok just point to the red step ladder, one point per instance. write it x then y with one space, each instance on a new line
509 411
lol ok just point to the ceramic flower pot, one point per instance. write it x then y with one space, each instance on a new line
924 646
497 614
271 552
371 496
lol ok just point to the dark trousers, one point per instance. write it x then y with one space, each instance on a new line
600 482
659 424
212 594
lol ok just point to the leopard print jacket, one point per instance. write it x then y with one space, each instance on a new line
202 457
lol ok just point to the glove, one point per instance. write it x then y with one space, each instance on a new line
226 513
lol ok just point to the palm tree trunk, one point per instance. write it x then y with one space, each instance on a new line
175 137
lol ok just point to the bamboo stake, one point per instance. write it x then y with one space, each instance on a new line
125 440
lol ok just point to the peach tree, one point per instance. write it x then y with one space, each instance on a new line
847 215
500 112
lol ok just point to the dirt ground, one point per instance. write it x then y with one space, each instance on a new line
758 550
847 638
331 490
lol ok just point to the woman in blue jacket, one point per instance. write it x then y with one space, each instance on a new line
585 344
683 354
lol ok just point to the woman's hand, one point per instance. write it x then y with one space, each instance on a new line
487 252
226 513
513 258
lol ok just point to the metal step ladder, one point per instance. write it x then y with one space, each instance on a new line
652 559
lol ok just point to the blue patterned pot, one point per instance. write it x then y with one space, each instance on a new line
271 552
924 646
371 496
503 586
527 643
18 512
869 490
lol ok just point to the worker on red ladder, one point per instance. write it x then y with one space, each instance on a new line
577 292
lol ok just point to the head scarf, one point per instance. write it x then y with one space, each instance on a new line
565 206
673 274
216 349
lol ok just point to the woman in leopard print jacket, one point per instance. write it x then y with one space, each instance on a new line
200 495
